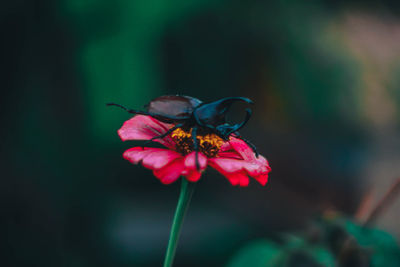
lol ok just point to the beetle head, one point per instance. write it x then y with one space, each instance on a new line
213 115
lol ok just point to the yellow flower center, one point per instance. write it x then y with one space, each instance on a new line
209 144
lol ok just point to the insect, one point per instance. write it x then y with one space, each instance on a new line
192 114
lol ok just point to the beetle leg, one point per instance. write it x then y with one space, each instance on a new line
167 132
196 147
164 134
251 145
156 116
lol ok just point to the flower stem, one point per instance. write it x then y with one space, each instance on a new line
384 203
187 189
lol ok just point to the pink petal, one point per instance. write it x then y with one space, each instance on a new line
230 165
233 179
190 171
229 155
190 161
262 179
142 127
237 178
255 168
227 164
152 158
171 172
226 146
244 180
242 148
193 176
254 165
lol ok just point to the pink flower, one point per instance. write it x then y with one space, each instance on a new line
233 158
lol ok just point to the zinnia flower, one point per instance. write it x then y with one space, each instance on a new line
233 158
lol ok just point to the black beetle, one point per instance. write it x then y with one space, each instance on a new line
191 113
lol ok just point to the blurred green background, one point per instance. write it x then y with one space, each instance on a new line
324 76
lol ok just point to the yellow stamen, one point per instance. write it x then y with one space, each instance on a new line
209 144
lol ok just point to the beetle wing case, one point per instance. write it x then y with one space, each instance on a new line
173 105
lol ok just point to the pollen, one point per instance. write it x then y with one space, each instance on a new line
209 143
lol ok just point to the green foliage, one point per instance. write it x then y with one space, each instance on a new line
257 253
337 242
295 252
383 247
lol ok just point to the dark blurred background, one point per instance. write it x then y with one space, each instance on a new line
324 76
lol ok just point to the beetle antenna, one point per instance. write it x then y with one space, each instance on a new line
128 109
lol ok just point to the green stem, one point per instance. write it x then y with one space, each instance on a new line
187 189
